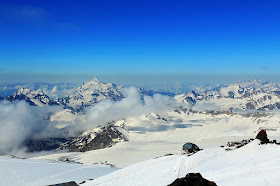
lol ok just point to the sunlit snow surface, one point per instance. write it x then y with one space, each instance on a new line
252 164
18 172
150 137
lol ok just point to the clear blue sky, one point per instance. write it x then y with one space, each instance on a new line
140 36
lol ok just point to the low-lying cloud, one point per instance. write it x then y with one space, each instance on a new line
130 106
20 121
17 123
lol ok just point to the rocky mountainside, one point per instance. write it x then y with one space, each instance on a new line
98 138
43 144
33 97
90 93
249 94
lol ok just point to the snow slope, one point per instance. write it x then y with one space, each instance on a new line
252 164
19 172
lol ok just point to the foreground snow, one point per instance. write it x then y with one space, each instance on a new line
252 164
17 172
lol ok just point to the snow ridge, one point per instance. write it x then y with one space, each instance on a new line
247 95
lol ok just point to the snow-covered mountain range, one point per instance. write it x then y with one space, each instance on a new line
231 100
255 95
81 97
33 97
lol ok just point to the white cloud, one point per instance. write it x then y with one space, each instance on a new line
20 121
130 106
17 122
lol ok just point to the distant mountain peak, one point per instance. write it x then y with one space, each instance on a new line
96 84
90 93
32 97
26 91
95 80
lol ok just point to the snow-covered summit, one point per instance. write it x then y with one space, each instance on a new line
90 93
95 84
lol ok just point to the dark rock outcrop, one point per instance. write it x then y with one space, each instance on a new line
71 183
108 137
190 148
44 144
192 179
237 144
262 136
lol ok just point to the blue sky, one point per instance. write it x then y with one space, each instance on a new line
140 37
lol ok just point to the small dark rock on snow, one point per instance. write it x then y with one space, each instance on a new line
71 183
192 179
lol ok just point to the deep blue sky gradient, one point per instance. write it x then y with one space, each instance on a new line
140 37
